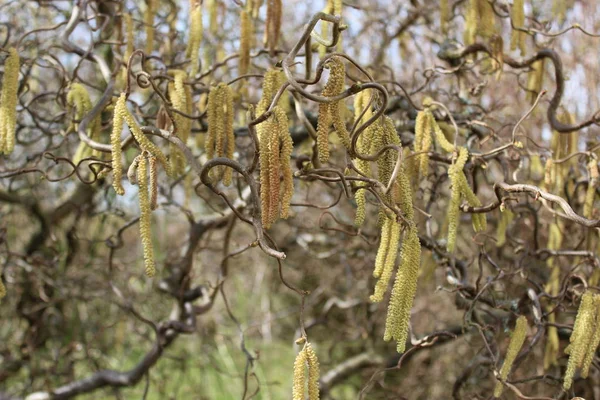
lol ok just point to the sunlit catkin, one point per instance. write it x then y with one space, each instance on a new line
386 257
517 37
313 372
145 216
444 13
299 376
329 113
362 113
115 142
581 337
193 46
8 102
594 340
516 342
245 42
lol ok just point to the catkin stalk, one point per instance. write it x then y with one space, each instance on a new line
145 216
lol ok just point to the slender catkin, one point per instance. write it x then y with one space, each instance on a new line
179 97
313 372
220 139
273 25
594 340
149 25
153 186
193 47
535 80
384 264
362 113
8 102
2 289
455 172
505 219
590 194
404 290
115 142
444 13
287 185
129 45
245 42
516 342
581 337
300 376
79 98
329 113
145 216
517 38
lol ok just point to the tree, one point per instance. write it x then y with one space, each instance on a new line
181 200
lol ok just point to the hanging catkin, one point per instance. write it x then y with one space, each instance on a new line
330 113
220 139
581 337
306 359
516 342
79 98
275 153
8 102
149 25
273 25
517 37
145 215
362 113
245 42
193 46
179 93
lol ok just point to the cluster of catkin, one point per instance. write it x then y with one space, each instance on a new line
306 374
79 98
480 21
424 126
143 170
330 113
275 147
220 139
8 102
584 339
514 347
405 286
181 98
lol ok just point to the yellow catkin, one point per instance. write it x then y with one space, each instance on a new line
404 290
129 45
149 25
594 340
273 25
455 172
514 347
285 159
444 15
145 216
153 185
580 339
590 194
535 80
179 98
422 143
300 376
329 113
193 47
517 38
275 154
272 82
2 289
559 10
386 257
79 98
362 113
245 41
220 139
115 141
471 17
8 102
505 219
313 372
213 13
